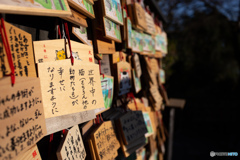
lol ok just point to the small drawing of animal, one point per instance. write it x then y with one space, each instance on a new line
75 55
108 25
60 54
82 30
108 4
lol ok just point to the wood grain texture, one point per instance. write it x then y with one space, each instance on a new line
59 123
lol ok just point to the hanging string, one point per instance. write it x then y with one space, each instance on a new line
8 51
126 10
101 118
50 145
97 120
69 42
130 95
59 32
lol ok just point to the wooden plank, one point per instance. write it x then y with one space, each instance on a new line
83 6
76 18
35 7
21 115
105 47
68 88
59 123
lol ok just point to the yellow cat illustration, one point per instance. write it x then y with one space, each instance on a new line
60 54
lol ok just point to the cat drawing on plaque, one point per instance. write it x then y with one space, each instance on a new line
124 77
60 54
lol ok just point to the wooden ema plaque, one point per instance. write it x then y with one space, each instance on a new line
52 50
107 84
105 47
148 123
112 9
112 30
68 88
136 81
81 52
72 146
128 25
137 41
105 142
150 24
105 65
132 126
139 14
115 57
31 154
76 18
49 50
35 7
81 34
137 65
20 43
21 116
129 149
83 6
148 43
124 77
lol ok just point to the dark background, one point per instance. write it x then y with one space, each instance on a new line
202 67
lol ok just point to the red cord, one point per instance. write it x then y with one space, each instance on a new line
101 117
69 42
126 9
130 95
64 131
51 137
59 32
8 51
